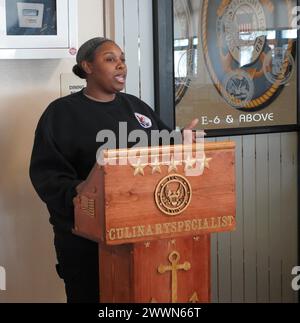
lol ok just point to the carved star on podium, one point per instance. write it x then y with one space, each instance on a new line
207 161
156 166
139 168
173 165
194 298
204 162
189 163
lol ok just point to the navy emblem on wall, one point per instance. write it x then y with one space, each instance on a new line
249 58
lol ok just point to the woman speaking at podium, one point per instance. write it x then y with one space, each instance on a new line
65 148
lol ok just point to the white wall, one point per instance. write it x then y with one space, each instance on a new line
26 240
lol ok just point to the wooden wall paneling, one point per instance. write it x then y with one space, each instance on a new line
224 261
249 203
289 222
274 255
262 217
237 237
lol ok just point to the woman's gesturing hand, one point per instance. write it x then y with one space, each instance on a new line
189 136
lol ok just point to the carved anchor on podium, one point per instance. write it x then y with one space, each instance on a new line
174 258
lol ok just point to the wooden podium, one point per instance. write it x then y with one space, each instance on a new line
153 222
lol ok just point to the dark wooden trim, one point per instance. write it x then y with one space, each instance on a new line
250 131
164 60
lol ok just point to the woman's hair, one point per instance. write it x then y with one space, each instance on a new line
78 70
87 53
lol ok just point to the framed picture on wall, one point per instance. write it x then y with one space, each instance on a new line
38 28
233 64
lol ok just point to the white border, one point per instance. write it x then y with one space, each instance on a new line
63 45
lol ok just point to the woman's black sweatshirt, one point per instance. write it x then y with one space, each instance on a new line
65 145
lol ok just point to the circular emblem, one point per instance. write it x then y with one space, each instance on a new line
173 194
279 66
242 25
238 88
185 68
239 35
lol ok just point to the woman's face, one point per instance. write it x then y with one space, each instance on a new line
108 70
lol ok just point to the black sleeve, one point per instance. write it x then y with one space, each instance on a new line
161 125
52 176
